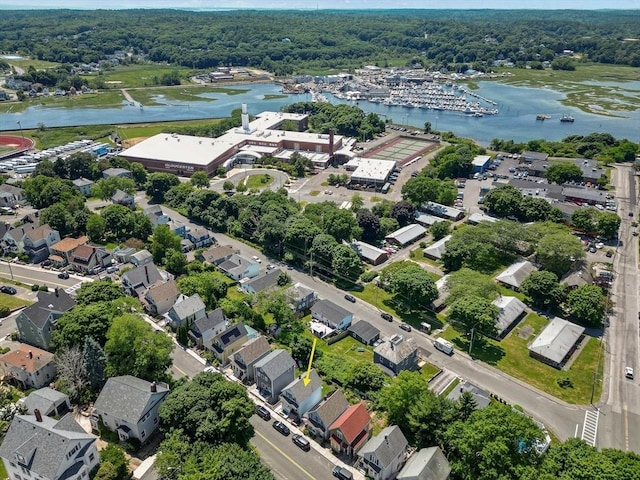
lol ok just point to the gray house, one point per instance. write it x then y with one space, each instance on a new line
217 254
516 273
511 310
186 309
48 402
557 341
138 280
84 185
274 372
36 322
396 354
41 447
262 282
129 406
301 297
205 328
364 332
298 398
332 315
383 455
426 464
323 416
244 360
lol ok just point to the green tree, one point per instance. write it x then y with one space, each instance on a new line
534 209
367 377
133 348
163 241
98 291
199 179
440 229
369 224
475 313
107 471
209 285
95 362
346 262
210 409
543 288
403 212
357 202
466 282
115 456
138 173
106 187
586 304
608 224
585 219
160 183
95 228
322 250
564 172
503 200
466 405
175 262
301 350
58 217
119 222
413 285
227 186
557 252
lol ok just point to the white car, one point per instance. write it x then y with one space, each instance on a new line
628 372
257 259
599 245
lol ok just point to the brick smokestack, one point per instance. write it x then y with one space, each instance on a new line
38 415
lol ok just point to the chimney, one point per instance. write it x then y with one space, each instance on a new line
386 439
154 387
146 272
38 415
57 292
30 354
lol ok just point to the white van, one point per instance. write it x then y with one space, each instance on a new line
444 346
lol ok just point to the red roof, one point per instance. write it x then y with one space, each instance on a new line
352 422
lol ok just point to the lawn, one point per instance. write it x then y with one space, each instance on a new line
185 93
512 357
53 137
418 256
128 76
350 349
12 301
258 181
428 370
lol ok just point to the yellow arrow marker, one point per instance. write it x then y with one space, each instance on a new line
307 377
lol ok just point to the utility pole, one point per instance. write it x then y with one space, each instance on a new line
20 125
471 342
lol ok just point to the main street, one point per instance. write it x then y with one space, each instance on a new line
563 419
31 274
620 411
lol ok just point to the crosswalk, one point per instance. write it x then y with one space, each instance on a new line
590 427
73 288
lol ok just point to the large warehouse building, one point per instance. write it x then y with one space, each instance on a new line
183 155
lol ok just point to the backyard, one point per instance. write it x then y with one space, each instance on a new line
512 356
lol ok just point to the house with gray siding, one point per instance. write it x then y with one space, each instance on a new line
332 315
186 309
273 373
36 322
396 354
49 402
323 415
298 398
383 455
206 327
243 361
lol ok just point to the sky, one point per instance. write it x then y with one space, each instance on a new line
325 4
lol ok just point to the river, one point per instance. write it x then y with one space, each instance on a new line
516 120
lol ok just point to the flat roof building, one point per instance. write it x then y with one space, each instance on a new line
369 253
370 171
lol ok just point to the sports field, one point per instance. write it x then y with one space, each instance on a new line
401 150
11 145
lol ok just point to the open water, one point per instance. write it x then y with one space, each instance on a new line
516 120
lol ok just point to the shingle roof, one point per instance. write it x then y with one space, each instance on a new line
43 399
216 252
83 253
162 290
482 397
437 249
142 255
253 349
396 349
385 446
266 280
352 421
114 172
57 301
331 409
230 335
510 309
516 273
68 244
143 275
26 357
426 464
120 196
188 307
557 339
45 443
275 364
299 391
39 233
82 182
127 398
329 310
210 321
364 330
19 232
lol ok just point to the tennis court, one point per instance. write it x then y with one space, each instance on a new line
401 150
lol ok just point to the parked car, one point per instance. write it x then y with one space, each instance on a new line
63 275
350 298
257 259
263 413
8 290
628 372
112 269
281 427
46 263
301 442
342 473
387 316
406 327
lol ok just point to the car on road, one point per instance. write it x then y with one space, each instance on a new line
592 249
387 316
628 373
328 192
342 473
281 427
350 298
270 267
263 413
405 326
63 275
301 442
8 290
112 269
631 214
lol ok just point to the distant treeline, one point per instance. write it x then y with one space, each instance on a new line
287 42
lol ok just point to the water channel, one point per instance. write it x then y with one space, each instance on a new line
516 120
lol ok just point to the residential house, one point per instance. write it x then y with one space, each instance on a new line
262 282
217 254
156 216
229 341
364 332
300 396
443 293
44 448
396 354
383 455
129 406
557 342
426 464
186 310
87 257
123 255
48 402
238 267
300 297
244 360
476 218
160 297
274 372
186 245
516 273
481 397
351 430
36 242
84 185
28 367
204 329
36 322
13 240
325 414
120 197
200 237
332 315
142 257
116 172
12 196
406 235
437 249
60 253
580 274
443 211
369 253
511 309
178 228
138 280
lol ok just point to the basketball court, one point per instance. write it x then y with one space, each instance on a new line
401 150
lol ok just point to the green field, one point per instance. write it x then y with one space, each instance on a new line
512 356
25 63
150 129
12 301
258 181
130 76
5 149
186 93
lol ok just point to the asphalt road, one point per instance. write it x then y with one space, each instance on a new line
620 411
31 274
